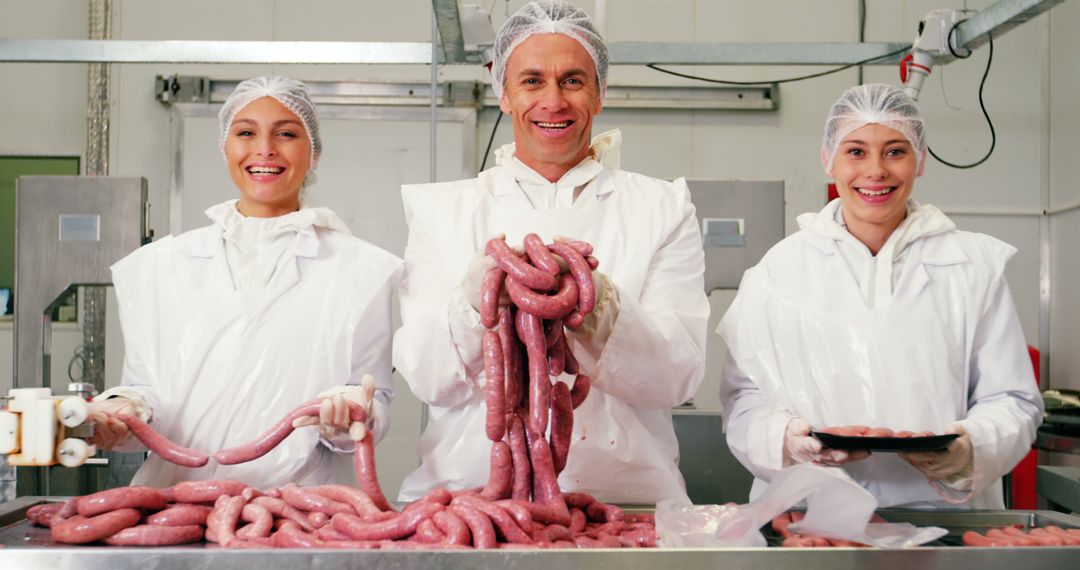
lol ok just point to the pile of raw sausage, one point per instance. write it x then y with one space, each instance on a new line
792 540
864 431
1014 536
521 506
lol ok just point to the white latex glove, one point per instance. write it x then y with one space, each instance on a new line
954 461
801 447
109 431
334 411
601 320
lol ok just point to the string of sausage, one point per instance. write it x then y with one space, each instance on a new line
522 505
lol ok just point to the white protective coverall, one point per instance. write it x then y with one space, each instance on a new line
218 351
646 237
922 336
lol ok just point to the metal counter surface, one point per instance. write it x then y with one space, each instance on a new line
23 546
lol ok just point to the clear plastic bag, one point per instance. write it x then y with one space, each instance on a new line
837 507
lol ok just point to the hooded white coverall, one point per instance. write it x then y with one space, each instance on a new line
229 327
920 337
647 240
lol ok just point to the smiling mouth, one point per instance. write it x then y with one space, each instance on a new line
881 192
265 170
557 126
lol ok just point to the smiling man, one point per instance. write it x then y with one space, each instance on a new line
643 345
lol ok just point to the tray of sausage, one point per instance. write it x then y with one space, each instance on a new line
852 438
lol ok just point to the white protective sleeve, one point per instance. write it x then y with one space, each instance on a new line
371 355
654 356
437 348
755 427
1004 405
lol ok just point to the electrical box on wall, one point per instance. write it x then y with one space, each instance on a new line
740 220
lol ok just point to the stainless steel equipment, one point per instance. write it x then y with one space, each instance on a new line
740 221
713 475
69 230
24 546
1060 486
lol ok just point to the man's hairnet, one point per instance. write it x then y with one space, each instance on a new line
878 103
291 93
548 17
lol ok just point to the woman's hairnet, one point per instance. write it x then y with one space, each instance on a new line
548 17
291 93
878 103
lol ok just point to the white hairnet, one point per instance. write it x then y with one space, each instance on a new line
548 17
291 93
878 103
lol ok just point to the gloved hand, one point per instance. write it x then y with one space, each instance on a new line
801 447
335 411
109 431
955 460
601 320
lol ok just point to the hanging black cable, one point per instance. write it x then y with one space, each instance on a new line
982 105
788 80
487 150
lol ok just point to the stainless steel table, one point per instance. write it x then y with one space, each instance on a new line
25 547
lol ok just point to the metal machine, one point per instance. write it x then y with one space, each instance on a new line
69 230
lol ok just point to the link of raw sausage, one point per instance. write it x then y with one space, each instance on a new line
180 515
275 435
562 425
501 476
545 486
357 499
307 500
580 390
223 520
83 530
137 497
519 453
582 273
262 521
531 332
283 510
495 388
491 287
366 476
554 306
150 535
161 446
511 349
398 527
455 529
539 254
483 532
504 523
205 491
518 268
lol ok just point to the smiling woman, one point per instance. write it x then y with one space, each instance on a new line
230 326
879 311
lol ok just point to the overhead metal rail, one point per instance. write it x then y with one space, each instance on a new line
196 89
996 19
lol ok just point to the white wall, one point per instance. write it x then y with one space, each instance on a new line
1031 95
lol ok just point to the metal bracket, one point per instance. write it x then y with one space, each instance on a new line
182 89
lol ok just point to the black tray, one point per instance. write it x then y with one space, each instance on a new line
886 444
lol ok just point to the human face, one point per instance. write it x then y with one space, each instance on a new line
269 153
552 94
875 172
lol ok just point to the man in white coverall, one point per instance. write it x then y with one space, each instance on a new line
643 345
879 312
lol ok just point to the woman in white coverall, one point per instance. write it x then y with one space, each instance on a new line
229 327
880 312
643 345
